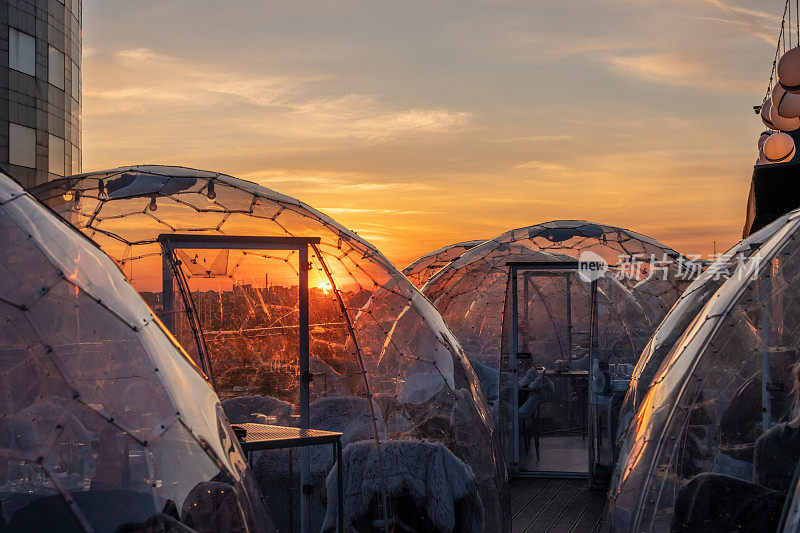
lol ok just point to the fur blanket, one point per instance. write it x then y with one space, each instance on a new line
442 488
346 414
490 380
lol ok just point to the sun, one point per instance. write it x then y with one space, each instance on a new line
325 286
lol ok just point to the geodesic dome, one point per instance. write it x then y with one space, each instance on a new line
473 294
681 315
710 443
105 421
379 351
470 291
421 270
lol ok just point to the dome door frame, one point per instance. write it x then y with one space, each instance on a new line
171 273
570 271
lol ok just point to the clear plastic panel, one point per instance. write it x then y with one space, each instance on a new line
26 274
79 261
421 270
102 359
471 295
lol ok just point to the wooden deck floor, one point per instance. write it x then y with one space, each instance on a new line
555 505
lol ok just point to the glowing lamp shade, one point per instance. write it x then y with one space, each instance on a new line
779 148
785 103
789 70
781 123
763 138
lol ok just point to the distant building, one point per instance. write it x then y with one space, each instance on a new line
40 89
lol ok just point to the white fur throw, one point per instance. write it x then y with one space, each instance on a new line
440 485
346 414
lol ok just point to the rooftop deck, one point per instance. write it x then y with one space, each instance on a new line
555 505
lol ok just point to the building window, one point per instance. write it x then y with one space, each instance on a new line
21 52
76 160
55 67
76 82
55 155
21 145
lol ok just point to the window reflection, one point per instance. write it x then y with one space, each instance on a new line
21 51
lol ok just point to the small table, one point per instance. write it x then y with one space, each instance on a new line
265 437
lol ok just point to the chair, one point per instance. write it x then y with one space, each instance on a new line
427 487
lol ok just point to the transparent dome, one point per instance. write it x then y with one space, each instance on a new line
105 421
382 362
681 315
473 294
470 290
421 270
715 439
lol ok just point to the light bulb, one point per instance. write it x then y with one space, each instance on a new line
210 191
153 206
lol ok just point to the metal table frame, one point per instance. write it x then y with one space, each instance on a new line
282 437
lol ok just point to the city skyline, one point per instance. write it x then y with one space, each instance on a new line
426 124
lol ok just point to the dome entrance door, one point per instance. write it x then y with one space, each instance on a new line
549 337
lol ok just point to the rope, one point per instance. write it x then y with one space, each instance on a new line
781 41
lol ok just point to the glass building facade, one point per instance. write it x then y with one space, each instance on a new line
40 89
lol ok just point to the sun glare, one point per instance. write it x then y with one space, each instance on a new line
325 286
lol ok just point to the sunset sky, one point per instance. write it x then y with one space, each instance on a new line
423 123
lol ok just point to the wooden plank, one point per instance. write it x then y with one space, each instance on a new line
522 498
535 505
553 509
592 514
517 485
573 511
